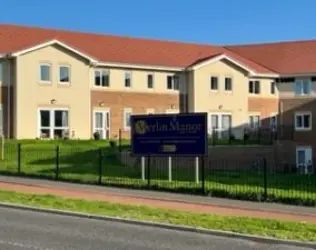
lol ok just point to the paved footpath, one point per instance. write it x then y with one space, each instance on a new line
160 200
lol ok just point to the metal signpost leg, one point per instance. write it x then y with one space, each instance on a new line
148 170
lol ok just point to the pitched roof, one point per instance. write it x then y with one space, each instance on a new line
284 57
116 49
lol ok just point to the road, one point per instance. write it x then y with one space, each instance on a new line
39 231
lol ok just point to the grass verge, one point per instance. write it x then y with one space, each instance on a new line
260 227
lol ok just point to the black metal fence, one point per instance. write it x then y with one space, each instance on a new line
230 178
245 136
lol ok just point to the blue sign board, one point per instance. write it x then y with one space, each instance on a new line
169 134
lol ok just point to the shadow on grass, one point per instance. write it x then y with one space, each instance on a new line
82 165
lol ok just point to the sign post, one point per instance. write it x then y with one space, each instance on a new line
169 135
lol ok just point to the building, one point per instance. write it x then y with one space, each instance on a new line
57 82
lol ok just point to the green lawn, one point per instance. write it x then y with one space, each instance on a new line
84 161
260 227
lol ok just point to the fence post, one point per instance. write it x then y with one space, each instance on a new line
57 163
213 136
120 140
100 166
19 158
170 169
143 164
148 170
265 179
197 177
203 173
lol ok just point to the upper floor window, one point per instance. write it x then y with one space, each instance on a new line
45 73
228 84
303 121
128 80
254 87
273 88
303 86
1 72
102 78
214 83
64 74
173 82
150 81
254 121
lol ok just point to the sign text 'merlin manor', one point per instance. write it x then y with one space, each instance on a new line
173 126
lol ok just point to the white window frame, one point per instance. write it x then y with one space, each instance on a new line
51 127
126 111
50 73
231 79
276 119
150 111
210 81
69 74
303 113
273 83
153 77
130 79
254 87
101 81
259 123
173 82
106 128
220 128
301 81
306 149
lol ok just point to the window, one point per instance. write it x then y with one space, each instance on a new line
64 74
102 78
128 81
254 87
1 120
228 84
273 88
45 72
176 82
1 72
273 121
127 119
214 83
254 121
150 81
304 160
219 125
173 82
53 123
302 86
303 121
101 123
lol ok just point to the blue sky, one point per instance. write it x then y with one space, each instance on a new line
201 21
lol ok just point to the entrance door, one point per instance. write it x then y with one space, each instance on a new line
101 124
304 159
219 125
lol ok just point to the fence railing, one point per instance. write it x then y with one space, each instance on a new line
230 178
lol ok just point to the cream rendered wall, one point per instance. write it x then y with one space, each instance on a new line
138 81
30 94
234 102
